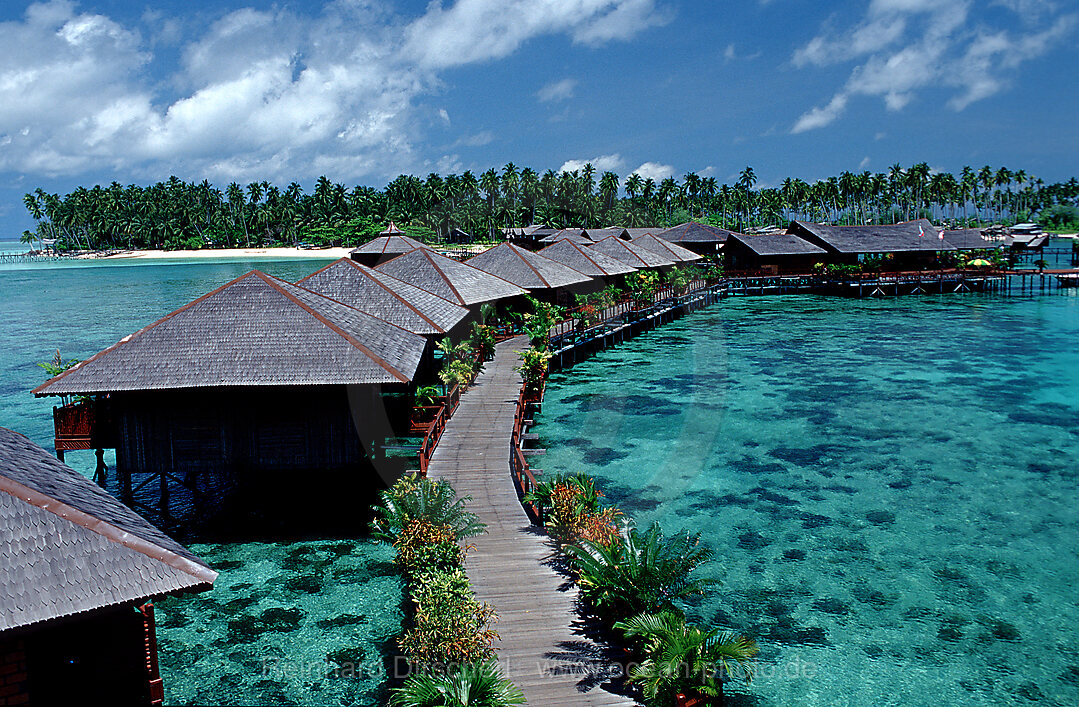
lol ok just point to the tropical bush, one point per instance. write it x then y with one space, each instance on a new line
57 364
424 546
427 395
571 510
677 278
479 684
451 626
643 286
638 571
482 341
679 657
459 363
533 367
537 325
413 499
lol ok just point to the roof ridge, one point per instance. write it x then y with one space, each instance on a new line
39 390
361 269
272 282
445 277
372 315
523 259
105 529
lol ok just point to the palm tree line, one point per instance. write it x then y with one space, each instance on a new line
178 214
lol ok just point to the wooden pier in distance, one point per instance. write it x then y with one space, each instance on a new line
542 647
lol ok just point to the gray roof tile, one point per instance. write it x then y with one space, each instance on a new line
385 297
777 244
586 260
695 232
69 547
389 244
452 280
254 331
665 248
910 236
525 268
630 254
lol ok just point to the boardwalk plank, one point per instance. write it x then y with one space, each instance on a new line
541 646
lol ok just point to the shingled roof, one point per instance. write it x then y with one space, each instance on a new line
630 254
598 234
525 268
575 235
586 260
637 232
452 280
385 297
70 548
971 239
666 248
909 236
695 232
254 331
389 244
777 244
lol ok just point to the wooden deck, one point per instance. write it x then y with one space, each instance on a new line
542 646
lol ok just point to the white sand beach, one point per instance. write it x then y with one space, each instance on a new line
320 253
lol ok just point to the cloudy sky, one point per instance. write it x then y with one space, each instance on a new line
363 90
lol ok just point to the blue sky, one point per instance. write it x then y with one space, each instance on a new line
363 90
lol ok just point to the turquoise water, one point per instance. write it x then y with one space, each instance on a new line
889 486
278 610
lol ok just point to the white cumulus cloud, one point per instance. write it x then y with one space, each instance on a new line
903 47
557 91
655 171
603 163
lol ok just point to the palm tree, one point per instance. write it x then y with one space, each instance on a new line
412 499
680 658
468 685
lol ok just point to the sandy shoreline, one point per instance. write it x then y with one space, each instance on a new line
319 253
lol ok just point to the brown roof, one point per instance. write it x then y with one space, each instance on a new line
666 248
448 278
254 331
630 254
525 268
586 260
70 548
385 297
695 232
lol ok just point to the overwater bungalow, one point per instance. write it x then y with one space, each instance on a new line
576 235
598 234
246 388
544 278
587 260
701 238
912 245
773 253
389 244
666 248
79 576
450 279
632 254
384 296
528 236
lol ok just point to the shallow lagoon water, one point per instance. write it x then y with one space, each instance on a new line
280 614
888 485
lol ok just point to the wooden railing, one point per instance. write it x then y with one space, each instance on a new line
82 425
519 469
437 427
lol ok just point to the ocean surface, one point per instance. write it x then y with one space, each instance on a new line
889 486
286 623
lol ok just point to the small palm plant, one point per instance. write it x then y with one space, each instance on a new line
638 571
470 685
413 499
682 658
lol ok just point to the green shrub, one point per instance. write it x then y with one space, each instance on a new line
451 627
414 499
638 571
478 684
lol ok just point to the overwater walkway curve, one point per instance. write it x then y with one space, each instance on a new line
542 646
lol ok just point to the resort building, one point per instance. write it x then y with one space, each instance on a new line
631 254
912 245
701 238
587 260
384 296
242 390
638 232
389 244
665 248
543 278
598 234
576 235
773 253
450 279
79 575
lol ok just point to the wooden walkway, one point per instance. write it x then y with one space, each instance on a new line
542 648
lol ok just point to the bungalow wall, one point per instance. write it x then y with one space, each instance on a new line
79 659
